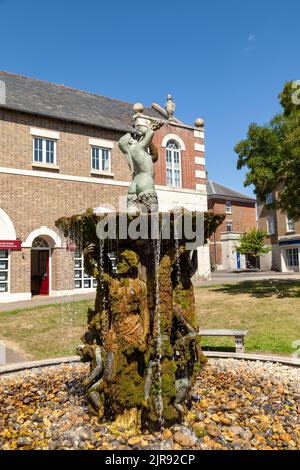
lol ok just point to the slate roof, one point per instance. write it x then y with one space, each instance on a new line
57 101
222 192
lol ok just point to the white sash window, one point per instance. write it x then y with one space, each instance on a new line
4 271
173 161
81 279
44 151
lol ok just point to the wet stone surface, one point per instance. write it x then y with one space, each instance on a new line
235 405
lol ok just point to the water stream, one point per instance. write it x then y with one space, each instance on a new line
177 261
160 405
101 266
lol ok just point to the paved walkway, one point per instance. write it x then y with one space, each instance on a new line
44 300
218 277
8 356
225 277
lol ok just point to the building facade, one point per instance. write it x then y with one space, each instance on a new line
59 156
283 237
240 211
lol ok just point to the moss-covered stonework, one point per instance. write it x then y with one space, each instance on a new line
132 366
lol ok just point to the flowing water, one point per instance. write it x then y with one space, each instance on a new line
160 405
68 311
177 261
101 266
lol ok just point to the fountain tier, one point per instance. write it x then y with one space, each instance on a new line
142 341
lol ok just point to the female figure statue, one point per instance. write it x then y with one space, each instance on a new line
141 155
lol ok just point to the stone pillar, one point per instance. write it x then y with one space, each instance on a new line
20 272
62 271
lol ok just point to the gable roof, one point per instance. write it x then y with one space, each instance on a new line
218 191
58 101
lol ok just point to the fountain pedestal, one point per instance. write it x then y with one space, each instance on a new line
142 341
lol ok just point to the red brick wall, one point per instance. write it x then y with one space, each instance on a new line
243 218
188 165
280 222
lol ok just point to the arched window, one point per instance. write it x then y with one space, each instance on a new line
173 158
40 243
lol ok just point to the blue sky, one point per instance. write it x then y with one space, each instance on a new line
223 61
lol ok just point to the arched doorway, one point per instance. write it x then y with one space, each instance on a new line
40 266
7 232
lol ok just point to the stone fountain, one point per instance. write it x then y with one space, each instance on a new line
142 341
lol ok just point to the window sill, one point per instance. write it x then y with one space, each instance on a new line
170 186
45 166
102 173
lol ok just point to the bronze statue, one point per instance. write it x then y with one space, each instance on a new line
141 154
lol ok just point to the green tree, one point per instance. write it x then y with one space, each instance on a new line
252 244
271 154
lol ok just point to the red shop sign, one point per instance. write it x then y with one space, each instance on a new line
10 245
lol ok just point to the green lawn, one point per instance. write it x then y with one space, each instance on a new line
269 311
272 319
46 331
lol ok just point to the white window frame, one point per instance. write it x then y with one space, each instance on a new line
270 223
6 271
228 207
172 167
231 224
294 257
269 199
101 148
44 150
290 224
83 276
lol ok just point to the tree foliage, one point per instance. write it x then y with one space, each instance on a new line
271 154
252 243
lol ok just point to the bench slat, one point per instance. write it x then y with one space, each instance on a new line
207 332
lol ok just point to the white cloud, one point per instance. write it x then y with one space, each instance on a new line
251 39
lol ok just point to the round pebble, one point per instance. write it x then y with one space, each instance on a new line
235 405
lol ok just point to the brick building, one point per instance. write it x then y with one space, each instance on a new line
240 213
59 156
283 238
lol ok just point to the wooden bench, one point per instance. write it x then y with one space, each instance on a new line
239 336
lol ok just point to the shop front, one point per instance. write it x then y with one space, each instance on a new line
290 255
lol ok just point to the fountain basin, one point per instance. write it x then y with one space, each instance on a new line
236 404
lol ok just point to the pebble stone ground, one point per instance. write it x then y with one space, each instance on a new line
235 405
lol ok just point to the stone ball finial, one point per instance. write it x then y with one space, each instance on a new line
138 108
199 122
